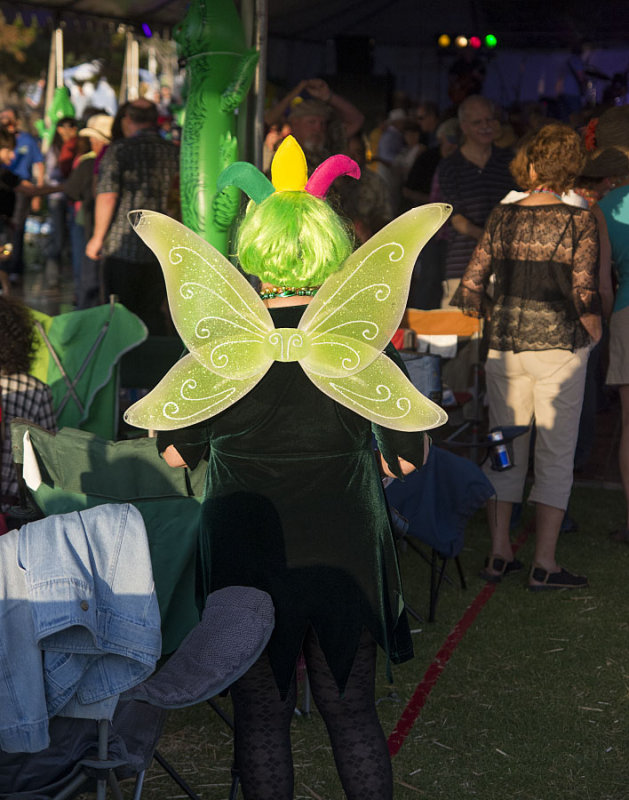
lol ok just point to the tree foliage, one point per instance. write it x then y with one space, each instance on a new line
15 39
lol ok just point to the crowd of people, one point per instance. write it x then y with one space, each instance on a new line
472 156
539 219
87 198
482 162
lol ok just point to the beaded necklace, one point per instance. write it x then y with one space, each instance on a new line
288 291
544 190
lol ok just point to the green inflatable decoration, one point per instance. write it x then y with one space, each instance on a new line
220 68
60 107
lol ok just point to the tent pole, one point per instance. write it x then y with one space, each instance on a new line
262 46
59 56
134 72
122 94
50 77
152 58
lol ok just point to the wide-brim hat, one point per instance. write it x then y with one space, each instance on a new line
607 142
98 126
612 129
606 163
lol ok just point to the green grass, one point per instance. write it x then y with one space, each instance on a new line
533 704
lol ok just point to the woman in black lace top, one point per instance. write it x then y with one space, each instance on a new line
534 277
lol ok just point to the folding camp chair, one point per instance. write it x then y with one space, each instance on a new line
76 470
78 356
86 755
455 340
433 506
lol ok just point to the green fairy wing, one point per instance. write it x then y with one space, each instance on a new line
217 313
359 308
383 394
355 314
221 320
188 393
232 340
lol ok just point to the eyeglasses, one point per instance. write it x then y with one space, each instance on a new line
481 123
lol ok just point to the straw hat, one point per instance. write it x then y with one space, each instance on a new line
607 140
98 126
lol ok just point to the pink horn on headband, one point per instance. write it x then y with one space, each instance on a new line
326 173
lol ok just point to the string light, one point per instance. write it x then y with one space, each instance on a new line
488 41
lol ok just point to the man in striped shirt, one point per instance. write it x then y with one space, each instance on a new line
473 180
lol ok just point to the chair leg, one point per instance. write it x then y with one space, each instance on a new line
233 792
414 546
457 561
71 789
113 784
436 579
139 784
175 776
410 610
225 717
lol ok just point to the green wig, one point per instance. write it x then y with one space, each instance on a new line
292 239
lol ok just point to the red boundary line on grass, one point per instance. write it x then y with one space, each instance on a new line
432 674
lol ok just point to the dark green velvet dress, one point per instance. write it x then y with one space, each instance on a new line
294 506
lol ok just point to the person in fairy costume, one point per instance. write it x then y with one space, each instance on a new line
285 391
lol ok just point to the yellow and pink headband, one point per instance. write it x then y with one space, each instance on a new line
289 173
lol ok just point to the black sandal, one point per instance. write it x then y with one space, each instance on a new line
501 568
555 580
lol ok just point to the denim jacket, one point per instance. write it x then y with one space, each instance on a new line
79 620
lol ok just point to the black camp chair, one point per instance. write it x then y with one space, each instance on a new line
94 755
75 470
432 506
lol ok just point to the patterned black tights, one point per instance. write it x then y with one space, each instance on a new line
263 750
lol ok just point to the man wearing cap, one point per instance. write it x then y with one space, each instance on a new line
320 121
136 172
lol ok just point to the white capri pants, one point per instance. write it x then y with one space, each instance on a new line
545 387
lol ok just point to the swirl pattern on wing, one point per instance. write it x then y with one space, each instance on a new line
233 342
188 393
383 394
208 297
365 300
